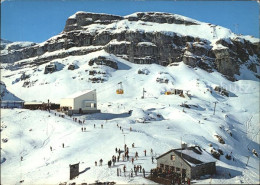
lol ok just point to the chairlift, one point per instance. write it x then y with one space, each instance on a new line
168 93
120 89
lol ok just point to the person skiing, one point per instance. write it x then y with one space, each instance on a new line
132 160
143 172
50 148
144 152
116 150
94 125
124 169
152 159
84 129
21 158
136 155
81 129
95 163
62 145
100 162
151 151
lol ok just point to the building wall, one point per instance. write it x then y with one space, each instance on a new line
204 169
177 163
67 102
80 101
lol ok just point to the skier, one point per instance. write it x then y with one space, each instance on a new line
131 172
124 169
144 152
118 158
100 162
101 125
82 129
133 145
62 145
50 148
132 160
151 151
95 163
140 168
136 155
143 172
21 158
94 126
152 159
116 150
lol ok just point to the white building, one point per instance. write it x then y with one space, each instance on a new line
82 102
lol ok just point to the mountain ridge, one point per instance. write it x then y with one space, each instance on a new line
167 38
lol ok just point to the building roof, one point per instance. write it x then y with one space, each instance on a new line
32 103
80 93
193 156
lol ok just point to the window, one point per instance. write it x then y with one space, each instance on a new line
161 165
172 168
203 170
178 169
173 157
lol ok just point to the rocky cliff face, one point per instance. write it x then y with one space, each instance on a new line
145 38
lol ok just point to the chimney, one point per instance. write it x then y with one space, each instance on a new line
184 145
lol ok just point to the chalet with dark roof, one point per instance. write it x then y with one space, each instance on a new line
191 162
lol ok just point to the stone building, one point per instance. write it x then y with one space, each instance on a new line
190 162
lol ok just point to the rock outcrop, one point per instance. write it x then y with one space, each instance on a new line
88 32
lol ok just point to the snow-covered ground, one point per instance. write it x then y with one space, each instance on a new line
31 133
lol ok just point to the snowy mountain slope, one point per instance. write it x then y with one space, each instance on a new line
166 123
8 46
155 52
145 38
6 95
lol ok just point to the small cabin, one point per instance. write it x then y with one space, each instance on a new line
190 162
50 68
83 102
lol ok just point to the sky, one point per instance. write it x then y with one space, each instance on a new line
38 20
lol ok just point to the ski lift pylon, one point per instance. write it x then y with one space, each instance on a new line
120 89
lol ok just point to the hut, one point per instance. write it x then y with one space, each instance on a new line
83 102
190 162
